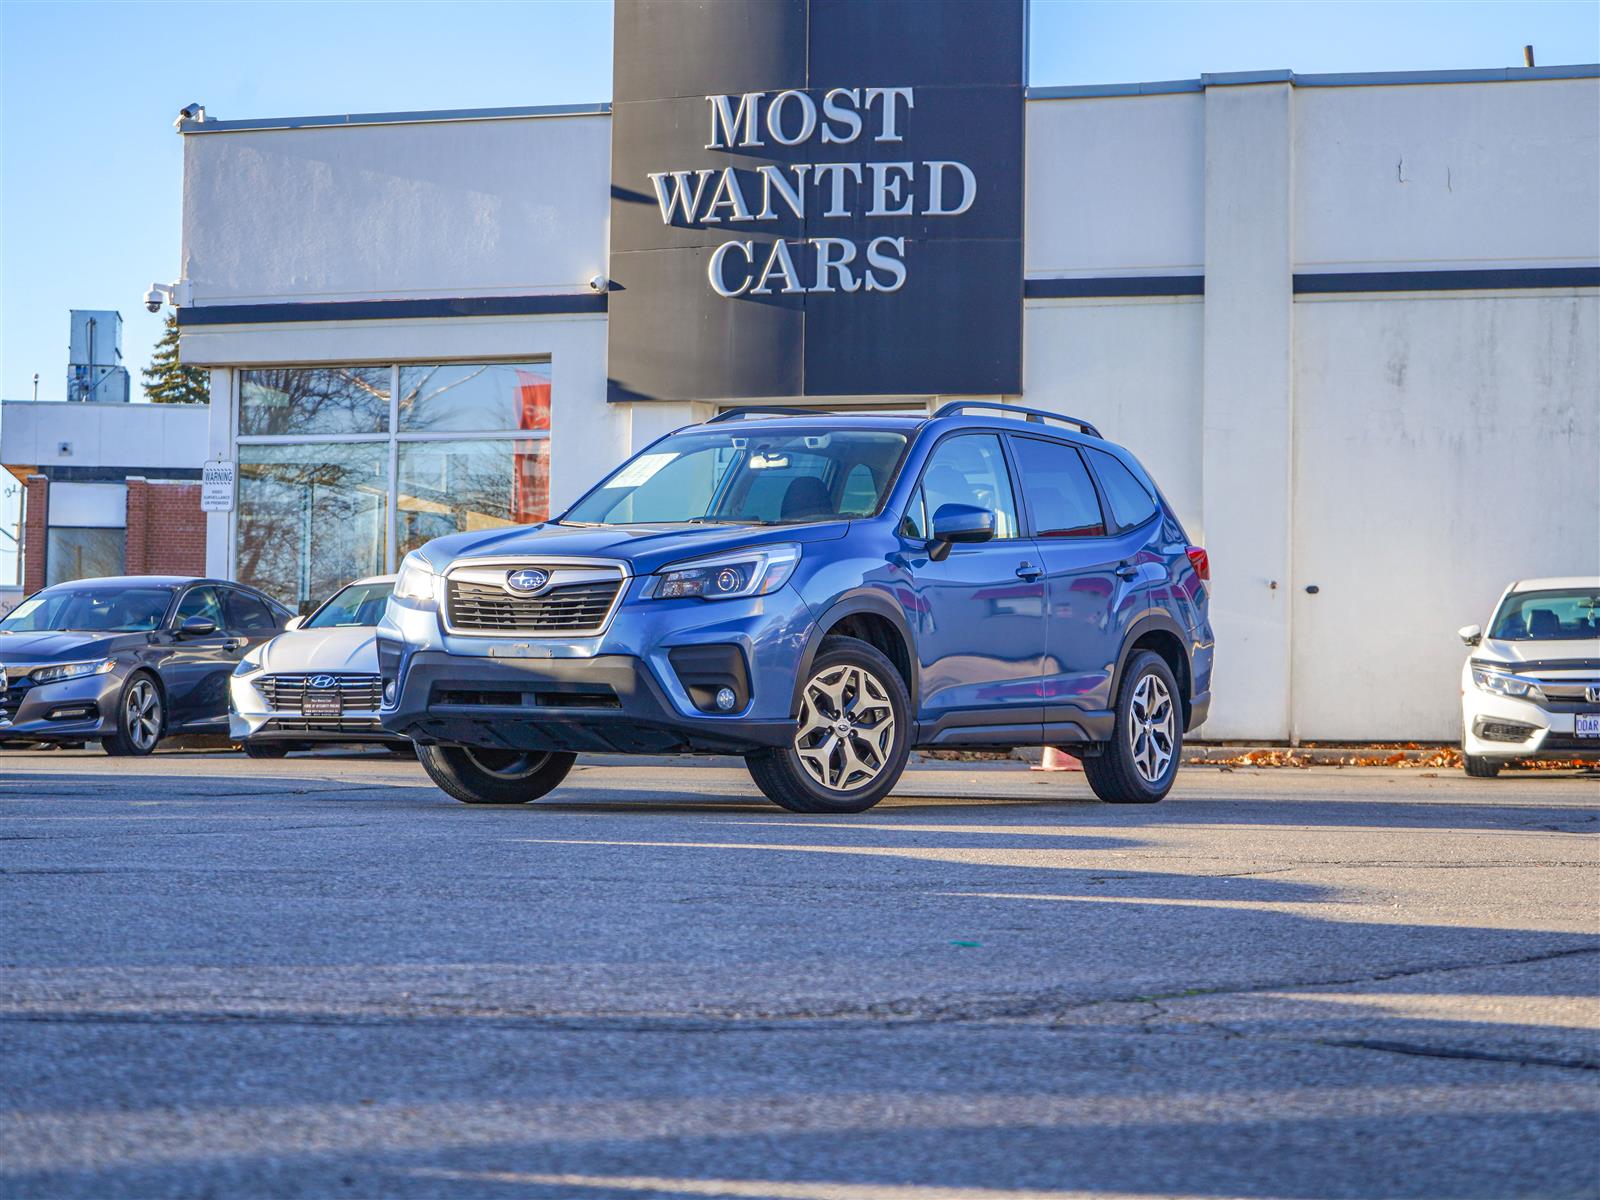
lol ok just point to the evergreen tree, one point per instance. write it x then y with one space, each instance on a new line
167 381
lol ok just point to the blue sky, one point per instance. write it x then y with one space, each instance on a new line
90 169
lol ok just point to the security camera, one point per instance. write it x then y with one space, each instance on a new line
189 112
154 299
599 284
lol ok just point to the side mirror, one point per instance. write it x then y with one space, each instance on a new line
293 623
1470 635
959 523
197 627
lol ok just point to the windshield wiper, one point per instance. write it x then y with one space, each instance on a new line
729 521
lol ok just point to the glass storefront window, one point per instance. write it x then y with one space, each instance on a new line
72 553
311 517
475 397
314 400
450 487
318 503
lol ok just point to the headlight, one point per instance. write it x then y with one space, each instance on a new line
753 572
1503 683
77 670
250 663
415 580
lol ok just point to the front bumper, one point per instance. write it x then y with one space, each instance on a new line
251 717
618 691
73 710
607 703
1505 729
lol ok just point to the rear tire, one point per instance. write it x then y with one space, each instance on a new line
1141 761
141 718
478 775
853 687
254 749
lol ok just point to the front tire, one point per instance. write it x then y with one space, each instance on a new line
1141 761
478 775
141 718
253 749
852 738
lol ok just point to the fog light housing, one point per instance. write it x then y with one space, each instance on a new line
726 699
70 712
1503 731
388 693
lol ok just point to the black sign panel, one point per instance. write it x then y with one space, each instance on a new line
816 198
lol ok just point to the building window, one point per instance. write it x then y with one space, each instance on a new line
344 470
82 553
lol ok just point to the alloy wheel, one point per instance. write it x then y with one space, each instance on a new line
846 728
1151 728
142 709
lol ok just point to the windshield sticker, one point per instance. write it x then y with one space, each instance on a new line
642 469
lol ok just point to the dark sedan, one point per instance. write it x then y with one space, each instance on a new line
127 661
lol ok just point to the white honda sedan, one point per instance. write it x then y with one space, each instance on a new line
317 681
1531 686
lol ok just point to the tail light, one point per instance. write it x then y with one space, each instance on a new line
1201 562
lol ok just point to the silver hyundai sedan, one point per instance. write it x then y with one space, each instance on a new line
318 681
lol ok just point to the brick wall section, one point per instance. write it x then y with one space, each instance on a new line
166 529
36 520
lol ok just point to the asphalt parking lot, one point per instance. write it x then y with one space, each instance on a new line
320 977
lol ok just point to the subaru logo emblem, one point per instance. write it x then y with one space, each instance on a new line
529 579
1590 693
323 681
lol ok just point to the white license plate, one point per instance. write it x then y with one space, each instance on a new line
1588 725
321 704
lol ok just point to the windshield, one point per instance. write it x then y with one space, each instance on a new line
358 604
91 610
1553 616
748 477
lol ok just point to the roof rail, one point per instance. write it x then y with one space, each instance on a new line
743 414
1036 415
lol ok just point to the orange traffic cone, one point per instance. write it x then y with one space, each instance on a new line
1057 760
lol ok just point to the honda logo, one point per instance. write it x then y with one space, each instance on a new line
323 681
4 681
1590 693
527 580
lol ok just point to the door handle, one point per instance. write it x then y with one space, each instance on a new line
1028 571
1127 570
232 643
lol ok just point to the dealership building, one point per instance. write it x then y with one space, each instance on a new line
1351 323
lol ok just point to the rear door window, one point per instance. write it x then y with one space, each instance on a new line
246 614
1060 494
1131 503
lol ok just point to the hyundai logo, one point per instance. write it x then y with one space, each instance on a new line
529 579
323 681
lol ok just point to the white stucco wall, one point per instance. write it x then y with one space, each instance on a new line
1449 176
1444 446
103 435
1115 185
458 208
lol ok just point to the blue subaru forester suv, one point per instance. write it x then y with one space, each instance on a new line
819 593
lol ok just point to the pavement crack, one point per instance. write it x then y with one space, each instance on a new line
1468 1053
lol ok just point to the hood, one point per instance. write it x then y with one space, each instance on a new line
352 648
64 646
646 548
1520 652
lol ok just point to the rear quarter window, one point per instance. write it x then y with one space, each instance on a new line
1131 502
